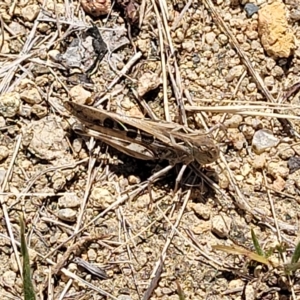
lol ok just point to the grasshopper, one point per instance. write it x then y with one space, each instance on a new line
144 138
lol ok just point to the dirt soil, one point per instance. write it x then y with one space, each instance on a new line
96 228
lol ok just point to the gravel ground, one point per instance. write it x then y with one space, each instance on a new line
93 229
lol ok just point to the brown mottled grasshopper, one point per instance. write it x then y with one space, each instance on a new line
144 138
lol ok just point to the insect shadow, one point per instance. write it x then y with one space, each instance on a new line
126 165
144 169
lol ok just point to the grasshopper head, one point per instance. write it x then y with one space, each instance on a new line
206 151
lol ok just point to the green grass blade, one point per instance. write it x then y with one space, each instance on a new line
288 268
29 293
296 254
256 244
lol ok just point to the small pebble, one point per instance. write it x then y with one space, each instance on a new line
44 27
30 12
269 81
223 181
39 110
127 103
96 8
218 226
294 164
9 104
134 179
223 39
262 140
17 28
80 95
31 96
4 152
101 198
67 214
255 45
234 72
239 178
179 36
166 291
233 165
188 45
251 9
8 278
143 45
238 140
58 181
69 201
45 138
278 184
148 82
2 122
250 180
210 37
201 227
249 289
201 210
285 151
270 63
277 71
72 267
77 145
54 55
92 254
196 58
234 122
278 168
245 169
43 81
259 161
295 15
39 70
251 87
236 283
296 148
252 35
215 47
2 174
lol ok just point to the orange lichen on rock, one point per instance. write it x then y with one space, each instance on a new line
96 8
274 32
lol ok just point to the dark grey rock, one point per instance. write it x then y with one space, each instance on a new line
251 9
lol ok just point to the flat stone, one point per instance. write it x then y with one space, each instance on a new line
262 140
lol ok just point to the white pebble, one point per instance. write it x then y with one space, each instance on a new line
210 37
262 140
